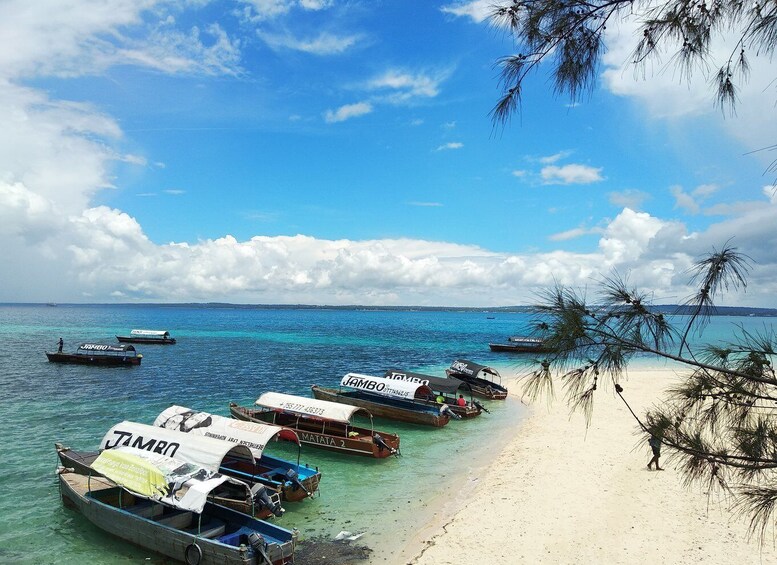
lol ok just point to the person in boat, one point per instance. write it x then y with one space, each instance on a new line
460 401
60 345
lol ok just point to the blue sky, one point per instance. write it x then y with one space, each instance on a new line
341 152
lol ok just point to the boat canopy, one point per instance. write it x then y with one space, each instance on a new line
437 384
538 341
385 387
161 334
474 370
92 348
309 406
160 478
252 435
207 452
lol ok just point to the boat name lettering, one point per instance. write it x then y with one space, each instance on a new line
296 407
316 438
407 378
95 347
153 445
356 382
462 367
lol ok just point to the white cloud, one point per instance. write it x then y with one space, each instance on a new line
323 44
404 86
629 198
571 174
449 146
550 159
477 10
347 112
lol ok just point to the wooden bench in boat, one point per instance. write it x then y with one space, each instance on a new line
146 510
213 529
178 520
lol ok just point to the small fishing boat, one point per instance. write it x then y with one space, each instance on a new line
521 344
262 502
98 354
319 423
294 481
162 504
482 379
386 398
446 391
159 337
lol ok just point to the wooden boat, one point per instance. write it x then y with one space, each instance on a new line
445 391
167 510
482 379
159 337
261 502
518 344
294 481
98 354
319 423
385 398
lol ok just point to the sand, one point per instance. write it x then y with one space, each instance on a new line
561 493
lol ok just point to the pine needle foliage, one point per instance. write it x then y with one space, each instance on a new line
569 34
719 424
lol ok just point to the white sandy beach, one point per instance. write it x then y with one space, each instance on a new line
561 493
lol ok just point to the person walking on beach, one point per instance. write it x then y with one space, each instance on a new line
60 343
655 445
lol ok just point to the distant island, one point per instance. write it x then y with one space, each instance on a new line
668 309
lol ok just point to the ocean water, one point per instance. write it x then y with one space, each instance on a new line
235 354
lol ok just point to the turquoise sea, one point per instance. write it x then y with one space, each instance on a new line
234 354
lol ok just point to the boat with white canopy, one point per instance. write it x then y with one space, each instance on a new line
294 481
164 504
207 452
159 337
387 398
320 423
449 391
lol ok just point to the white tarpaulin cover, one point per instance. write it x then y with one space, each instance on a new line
160 478
252 435
379 385
148 333
204 451
308 406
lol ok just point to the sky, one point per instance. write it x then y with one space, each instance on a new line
341 152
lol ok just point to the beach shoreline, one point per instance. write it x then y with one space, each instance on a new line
559 492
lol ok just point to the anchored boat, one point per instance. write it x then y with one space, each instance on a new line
98 354
522 344
159 337
446 391
320 423
482 379
294 481
162 504
387 398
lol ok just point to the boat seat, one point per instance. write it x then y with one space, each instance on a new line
213 529
145 510
177 520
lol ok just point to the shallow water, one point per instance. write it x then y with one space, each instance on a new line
236 354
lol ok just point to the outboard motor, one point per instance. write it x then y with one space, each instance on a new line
292 476
377 440
257 543
263 500
479 406
445 410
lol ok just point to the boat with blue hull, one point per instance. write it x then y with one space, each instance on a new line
387 398
448 391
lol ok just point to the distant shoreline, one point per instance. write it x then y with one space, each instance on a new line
669 309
